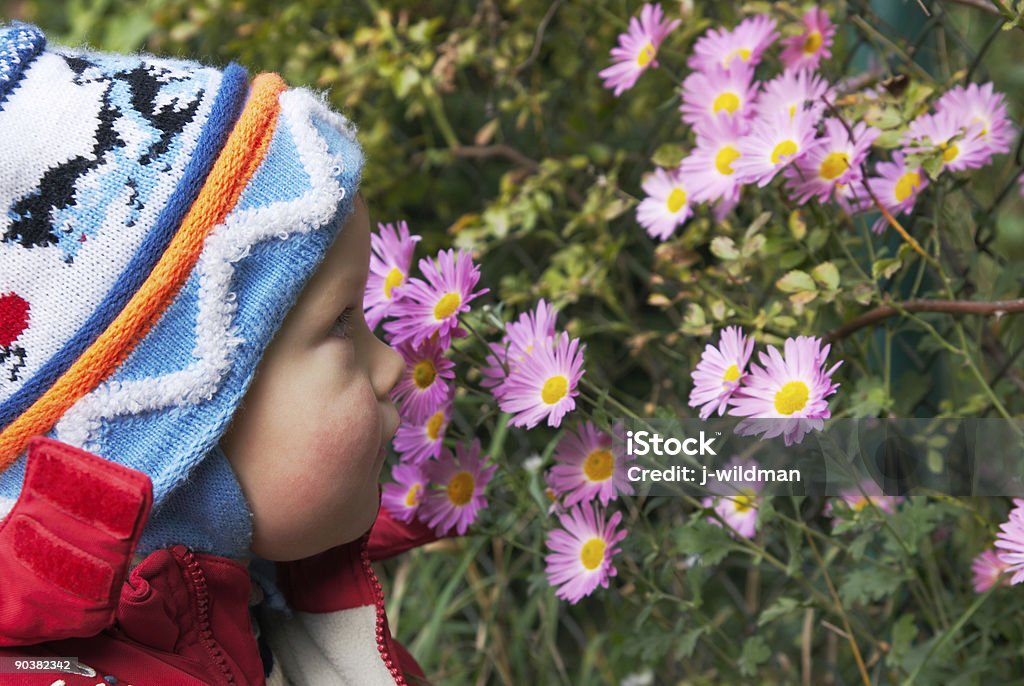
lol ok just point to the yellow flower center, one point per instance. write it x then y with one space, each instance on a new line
783 149
949 152
728 101
834 165
860 504
592 553
394 278
460 488
906 186
742 53
447 305
423 374
599 465
731 374
676 200
554 389
724 159
434 425
413 495
791 398
744 500
813 42
646 55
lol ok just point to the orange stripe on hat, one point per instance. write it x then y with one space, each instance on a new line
242 154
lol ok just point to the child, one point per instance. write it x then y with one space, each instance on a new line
186 380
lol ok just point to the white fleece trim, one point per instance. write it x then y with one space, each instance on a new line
5 506
227 244
329 649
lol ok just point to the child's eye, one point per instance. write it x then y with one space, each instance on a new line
342 327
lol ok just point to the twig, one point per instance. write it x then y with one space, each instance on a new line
995 307
483 152
842 615
982 5
538 39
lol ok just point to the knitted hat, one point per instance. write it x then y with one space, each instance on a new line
159 219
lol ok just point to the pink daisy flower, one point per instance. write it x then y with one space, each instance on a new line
666 206
896 187
717 94
1010 541
725 49
432 306
807 49
457 492
737 502
867 493
709 170
834 163
774 142
637 49
962 147
402 499
987 571
588 467
390 259
789 386
792 91
531 328
544 384
422 388
582 551
417 442
720 371
980 105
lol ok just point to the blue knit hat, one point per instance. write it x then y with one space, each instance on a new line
160 218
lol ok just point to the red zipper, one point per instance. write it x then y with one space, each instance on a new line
203 605
381 628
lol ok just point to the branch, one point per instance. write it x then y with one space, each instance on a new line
982 5
497 150
996 307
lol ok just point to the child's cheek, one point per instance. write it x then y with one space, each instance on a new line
346 439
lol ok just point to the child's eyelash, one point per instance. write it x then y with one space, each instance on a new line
342 327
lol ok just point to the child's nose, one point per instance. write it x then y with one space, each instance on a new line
388 366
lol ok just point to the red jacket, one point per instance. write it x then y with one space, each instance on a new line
180 618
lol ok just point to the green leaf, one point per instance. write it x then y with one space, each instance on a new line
686 643
668 155
705 539
904 631
827 275
780 608
796 281
724 248
886 267
869 584
755 652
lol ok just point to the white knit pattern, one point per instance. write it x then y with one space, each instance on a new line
61 118
224 248
5 506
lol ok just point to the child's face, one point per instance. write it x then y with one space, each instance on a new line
308 441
